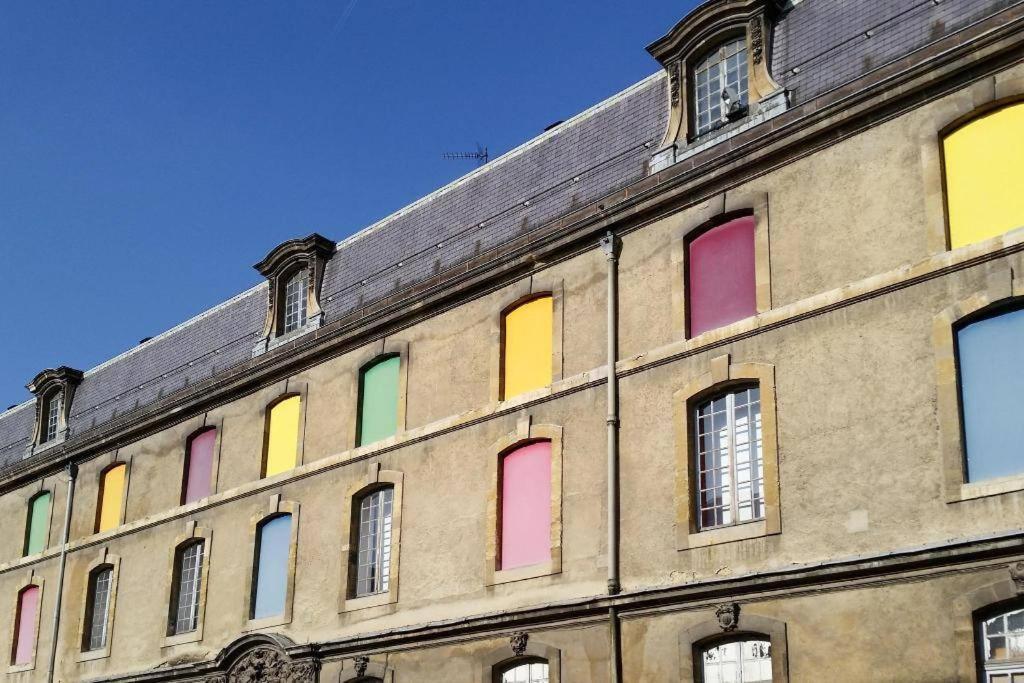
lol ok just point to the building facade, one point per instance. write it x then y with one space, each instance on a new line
720 380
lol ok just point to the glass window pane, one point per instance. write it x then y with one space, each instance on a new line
272 567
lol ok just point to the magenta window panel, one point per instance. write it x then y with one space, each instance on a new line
199 465
720 267
28 608
526 505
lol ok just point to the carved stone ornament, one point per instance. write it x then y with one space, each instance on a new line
517 641
728 616
360 664
267 665
756 40
1017 574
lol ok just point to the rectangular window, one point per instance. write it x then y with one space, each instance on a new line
527 353
729 460
111 497
38 517
99 605
724 69
526 505
25 626
190 576
721 285
52 417
374 561
991 368
283 436
199 466
378 400
272 561
295 302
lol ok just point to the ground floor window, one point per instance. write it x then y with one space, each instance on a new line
1003 644
738 661
527 672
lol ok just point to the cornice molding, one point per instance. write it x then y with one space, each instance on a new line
706 21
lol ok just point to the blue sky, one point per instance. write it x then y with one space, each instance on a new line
151 152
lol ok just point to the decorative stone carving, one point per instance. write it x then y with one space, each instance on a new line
267 665
517 641
1017 574
728 616
756 40
675 79
360 664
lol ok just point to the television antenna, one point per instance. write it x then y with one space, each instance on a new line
480 155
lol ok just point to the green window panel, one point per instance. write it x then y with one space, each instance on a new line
38 516
378 400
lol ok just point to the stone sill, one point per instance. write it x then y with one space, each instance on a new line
992 487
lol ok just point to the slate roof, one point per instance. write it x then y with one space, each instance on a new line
595 153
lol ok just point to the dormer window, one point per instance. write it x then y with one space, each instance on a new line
295 274
54 389
295 301
720 82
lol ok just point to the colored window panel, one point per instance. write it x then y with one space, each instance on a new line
528 346
38 517
25 626
526 505
111 496
991 377
283 436
720 276
272 567
378 403
199 466
984 163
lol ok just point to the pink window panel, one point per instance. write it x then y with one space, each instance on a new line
28 609
720 267
199 465
526 505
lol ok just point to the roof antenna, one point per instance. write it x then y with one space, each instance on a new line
480 155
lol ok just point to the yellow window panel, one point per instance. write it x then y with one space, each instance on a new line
528 346
984 162
283 436
111 496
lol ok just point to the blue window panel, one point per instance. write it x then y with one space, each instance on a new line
991 355
272 567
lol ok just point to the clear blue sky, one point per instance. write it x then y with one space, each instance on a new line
151 151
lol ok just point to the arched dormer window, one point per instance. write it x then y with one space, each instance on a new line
295 274
720 83
54 390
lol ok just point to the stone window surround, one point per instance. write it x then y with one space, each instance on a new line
31 579
103 558
62 380
28 516
375 478
978 604
724 375
310 253
115 460
711 632
488 665
365 668
289 388
716 211
380 350
525 433
1001 291
275 507
979 99
192 534
521 292
689 41
217 424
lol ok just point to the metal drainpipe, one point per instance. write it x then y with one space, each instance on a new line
72 471
608 246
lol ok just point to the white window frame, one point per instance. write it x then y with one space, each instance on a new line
95 620
715 67
738 662
374 544
1003 668
293 299
52 425
189 587
534 671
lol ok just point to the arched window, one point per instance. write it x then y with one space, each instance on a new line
25 623
373 553
50 424
525 489
991 374
525 670
730 473
744 660
720 273
282 436
37 527
1002 646
984 166
527 346
198 468
378 399
293 312
720 84
187 588
97 608
111 497
270 575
